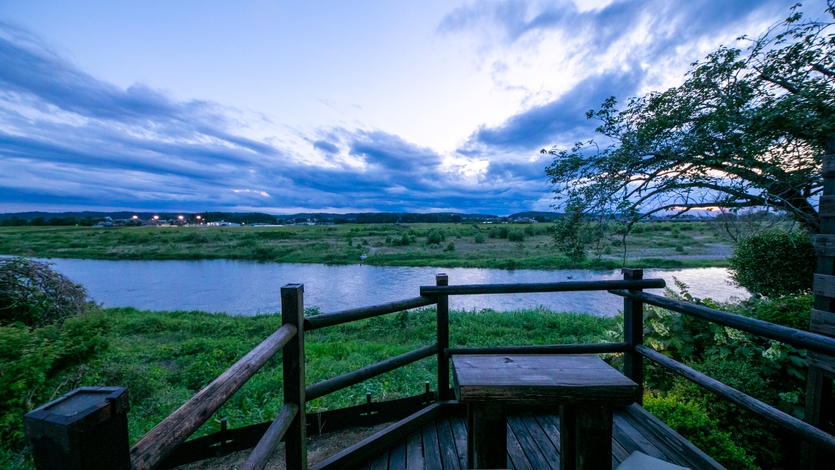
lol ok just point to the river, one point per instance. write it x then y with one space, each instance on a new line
250 288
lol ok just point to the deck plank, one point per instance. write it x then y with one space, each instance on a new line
549 451
533 442
397 457
380 462
431 450
459 430
414 451
631 439
528 443
446 441
515 453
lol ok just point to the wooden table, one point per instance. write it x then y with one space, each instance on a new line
585 388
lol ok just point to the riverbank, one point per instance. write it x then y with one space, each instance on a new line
164 358
501 246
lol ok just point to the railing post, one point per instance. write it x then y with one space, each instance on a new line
292 312
633 334
442 279
819 404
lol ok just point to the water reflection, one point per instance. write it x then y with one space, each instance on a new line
248 288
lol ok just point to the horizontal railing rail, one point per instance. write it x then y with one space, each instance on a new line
585 348
346 316
352 378
568 286
177 427
784 420
784 334
269 442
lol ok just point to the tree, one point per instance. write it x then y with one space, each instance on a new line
747 129
33 294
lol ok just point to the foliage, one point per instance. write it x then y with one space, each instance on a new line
516 236
745 129
33 294
761 439
692 422
435 237
479 238
774 263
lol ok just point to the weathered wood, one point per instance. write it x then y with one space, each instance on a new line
790 423
459 432
569 286
537 380
442 326
821 361
352 378
527 442
633 333
797 338
515 456
488 434
824 284
264 450
568 436
822 322
292 313
590 348
672 443
397 457
414 451
371 446
345 316
632 439
818 410
828 170
825 245
827 206
431 450
593 441
173 430
539 436
446 443
381 462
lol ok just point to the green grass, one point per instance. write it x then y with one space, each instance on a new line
655 244
164 358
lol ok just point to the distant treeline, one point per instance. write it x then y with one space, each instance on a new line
53 221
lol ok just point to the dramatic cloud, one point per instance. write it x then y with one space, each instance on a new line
72 140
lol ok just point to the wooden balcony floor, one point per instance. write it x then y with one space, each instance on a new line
533 442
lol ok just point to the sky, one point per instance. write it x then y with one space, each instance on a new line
323 106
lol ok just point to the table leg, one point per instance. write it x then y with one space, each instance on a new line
487 436
568 437
585 437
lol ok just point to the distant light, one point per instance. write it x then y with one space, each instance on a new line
180 217
135 217
156 217
198 217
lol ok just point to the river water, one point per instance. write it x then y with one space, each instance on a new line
250 288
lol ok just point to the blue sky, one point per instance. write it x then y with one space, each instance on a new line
287 107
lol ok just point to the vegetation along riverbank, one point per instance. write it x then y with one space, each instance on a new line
504 246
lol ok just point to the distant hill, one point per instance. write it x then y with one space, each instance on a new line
535 214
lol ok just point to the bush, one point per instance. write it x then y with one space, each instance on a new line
450 247
33 294
759 438
694 424
435 237
516 236
774 263
479 238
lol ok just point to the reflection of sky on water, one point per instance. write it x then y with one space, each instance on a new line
247 288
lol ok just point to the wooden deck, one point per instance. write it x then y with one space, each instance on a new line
533 442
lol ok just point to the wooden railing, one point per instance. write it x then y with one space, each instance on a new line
290 423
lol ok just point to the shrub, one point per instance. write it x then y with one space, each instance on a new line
694 424
450 247
774 263
435 237
33 294
479 238
516 236
759 438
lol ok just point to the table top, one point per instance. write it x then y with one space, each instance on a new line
540 380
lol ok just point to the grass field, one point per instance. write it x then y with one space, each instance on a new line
507 246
